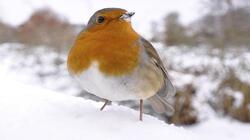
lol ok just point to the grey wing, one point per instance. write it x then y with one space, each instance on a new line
168 89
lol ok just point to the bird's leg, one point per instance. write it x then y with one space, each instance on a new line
106 102
141 109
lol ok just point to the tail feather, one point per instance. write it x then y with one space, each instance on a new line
161 105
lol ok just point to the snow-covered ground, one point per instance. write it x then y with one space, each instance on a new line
36 101
30 112
33 113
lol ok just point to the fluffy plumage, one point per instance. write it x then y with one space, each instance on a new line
112 61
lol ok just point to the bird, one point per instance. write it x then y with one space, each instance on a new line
112 61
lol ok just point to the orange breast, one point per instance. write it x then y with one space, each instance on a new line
117 53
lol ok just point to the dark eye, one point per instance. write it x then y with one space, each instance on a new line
100 19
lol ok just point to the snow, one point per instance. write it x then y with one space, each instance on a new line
29 111
34 68
222 129
205 71
237 96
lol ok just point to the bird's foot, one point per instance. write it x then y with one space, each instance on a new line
106 102
141 109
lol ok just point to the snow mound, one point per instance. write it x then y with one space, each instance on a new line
34 113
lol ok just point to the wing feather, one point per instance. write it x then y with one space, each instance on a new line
168 89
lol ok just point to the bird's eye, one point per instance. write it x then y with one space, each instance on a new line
100 19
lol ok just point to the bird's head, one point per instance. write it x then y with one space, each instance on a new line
110 18
108 40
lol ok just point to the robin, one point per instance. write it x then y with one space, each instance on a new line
112 61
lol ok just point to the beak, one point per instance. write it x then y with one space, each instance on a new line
127 16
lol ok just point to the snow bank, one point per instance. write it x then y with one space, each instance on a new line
32 113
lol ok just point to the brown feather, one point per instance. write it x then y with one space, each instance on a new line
159 100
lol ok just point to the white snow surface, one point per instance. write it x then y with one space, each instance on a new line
32 113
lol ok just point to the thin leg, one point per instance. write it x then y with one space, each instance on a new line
141 109
106 102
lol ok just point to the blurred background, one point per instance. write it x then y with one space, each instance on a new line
205 45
